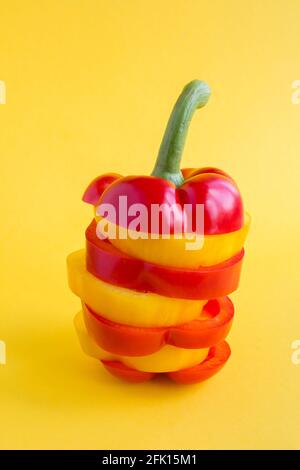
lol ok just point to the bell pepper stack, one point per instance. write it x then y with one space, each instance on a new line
151 303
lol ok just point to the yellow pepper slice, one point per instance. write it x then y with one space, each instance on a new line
212 249
168 359
127 306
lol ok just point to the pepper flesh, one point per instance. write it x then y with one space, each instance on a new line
167 359
106 262
211 327
125 305
216 359
212 250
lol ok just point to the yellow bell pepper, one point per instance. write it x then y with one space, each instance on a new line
172 251
127 306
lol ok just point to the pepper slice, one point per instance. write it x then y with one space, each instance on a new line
211 327
126 306
172 251
106 262
216 359
168 359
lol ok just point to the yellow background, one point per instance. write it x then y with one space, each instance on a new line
90 85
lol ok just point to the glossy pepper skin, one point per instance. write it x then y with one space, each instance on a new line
104 261
125 305
200 363
210 250
216 359
148 305
223 207
211 327
167 359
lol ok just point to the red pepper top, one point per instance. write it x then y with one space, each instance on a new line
170 187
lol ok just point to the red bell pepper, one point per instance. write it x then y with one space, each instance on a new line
217 357
106 262
168 185
212 327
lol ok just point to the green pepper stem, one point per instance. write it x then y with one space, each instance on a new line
194 95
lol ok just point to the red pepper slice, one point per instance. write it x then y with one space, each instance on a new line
217 317
106 262
217 357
